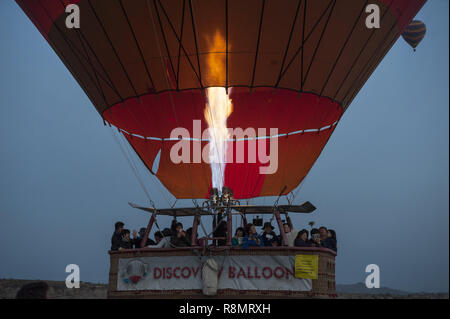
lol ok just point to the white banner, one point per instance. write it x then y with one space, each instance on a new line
235 272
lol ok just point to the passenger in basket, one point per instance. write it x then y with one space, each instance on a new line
180 239
162 239
332 240
238 238
126 242
252 239
138 240
291 233
269 237
116 238
221 231
315 238
325 241
302 239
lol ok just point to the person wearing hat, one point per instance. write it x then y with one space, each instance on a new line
269 237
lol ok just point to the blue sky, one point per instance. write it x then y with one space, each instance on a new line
382 180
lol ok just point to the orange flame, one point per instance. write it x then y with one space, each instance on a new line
216 59
218 108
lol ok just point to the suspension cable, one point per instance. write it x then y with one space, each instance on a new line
132 168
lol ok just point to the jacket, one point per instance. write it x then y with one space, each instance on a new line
301 243
116 240
137 242
252 242
180 241
269 238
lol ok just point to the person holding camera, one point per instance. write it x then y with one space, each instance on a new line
180 239
269 237
315 238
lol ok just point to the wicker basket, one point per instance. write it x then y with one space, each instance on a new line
323 287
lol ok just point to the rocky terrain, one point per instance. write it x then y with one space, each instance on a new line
58 290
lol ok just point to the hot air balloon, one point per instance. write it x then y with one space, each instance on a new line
414 33
155 67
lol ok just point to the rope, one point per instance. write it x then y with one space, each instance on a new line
163 66
133 169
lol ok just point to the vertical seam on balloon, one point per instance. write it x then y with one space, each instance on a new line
99 87
320 41
163 34
150 78
360 52
76 55
112 46
164 37
306 39
196 45
110 83
303 43
90 62
92 67
366 69
166 77
258 42
120 62
137 45
363 75
343 48
289 42
179 42
71 45
194 30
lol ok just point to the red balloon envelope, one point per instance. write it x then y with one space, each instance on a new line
291 65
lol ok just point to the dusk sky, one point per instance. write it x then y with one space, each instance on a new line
382 181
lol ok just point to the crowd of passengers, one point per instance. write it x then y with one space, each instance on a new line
245 237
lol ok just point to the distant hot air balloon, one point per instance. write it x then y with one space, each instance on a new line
414 33
294 65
